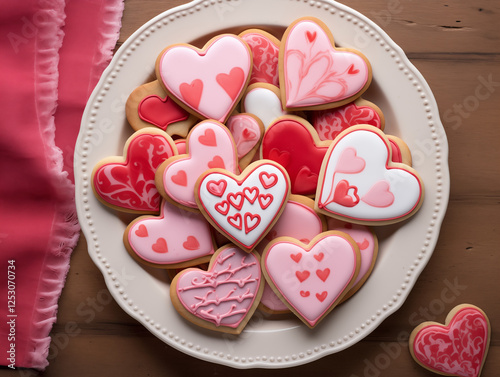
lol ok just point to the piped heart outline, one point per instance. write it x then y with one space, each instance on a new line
245 219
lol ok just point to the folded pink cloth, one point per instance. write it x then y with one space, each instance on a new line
52 53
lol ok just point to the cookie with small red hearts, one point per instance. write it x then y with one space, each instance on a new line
149 106
314 73
247 131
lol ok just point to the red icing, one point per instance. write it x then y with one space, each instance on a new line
161 112
236 199
131 184
346 195
160 246
235 221
302 275
457 349
296 257
142 231
191 93
323 274
252 221
232 82
265 58
216 162
208 138
396 152
222 207
180 178
268 180
265 200
191 243
217 188
290 143
329 123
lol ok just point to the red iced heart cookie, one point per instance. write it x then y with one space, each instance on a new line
210 81
176 238
224 297
161 112
209 145
457 348
311 279
295 142
265 51
360 183
128 183
250 204
329 123
316 75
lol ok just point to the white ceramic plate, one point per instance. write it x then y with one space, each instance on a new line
411 113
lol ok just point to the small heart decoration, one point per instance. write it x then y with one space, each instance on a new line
161 112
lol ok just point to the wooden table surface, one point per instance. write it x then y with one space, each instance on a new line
455 44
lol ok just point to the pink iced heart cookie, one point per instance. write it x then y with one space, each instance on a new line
265 51
316 75
207 82
209 145
299 220
128 183
244 207
177 238
457 348
367 242
359 182
311 278
224 297
247 131
331 122
263 101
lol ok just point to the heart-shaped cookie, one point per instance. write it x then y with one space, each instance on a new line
331 122
264 101
209 145
316 75
359 182
457 348
247 131
293 142
265 51
177 238
224 297
128 183
311 278
244 207
207 82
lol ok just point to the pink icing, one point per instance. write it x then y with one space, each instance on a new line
181 146
329 123
315 73
225 294
364 238
312 280
265 58
175 236
210 145
208 81
131 185
457 349
298 221
246 132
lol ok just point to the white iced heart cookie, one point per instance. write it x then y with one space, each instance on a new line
245 207
359 182
263 101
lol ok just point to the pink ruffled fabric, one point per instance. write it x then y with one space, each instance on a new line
52 53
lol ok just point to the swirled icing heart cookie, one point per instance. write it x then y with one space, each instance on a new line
176 238
245 207
209 145
207 82
128 183
331 122
359 182
224 297
247 131
311 278
265 52
457 348
314 74
149 106
292 142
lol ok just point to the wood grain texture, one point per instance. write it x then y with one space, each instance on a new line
456 46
